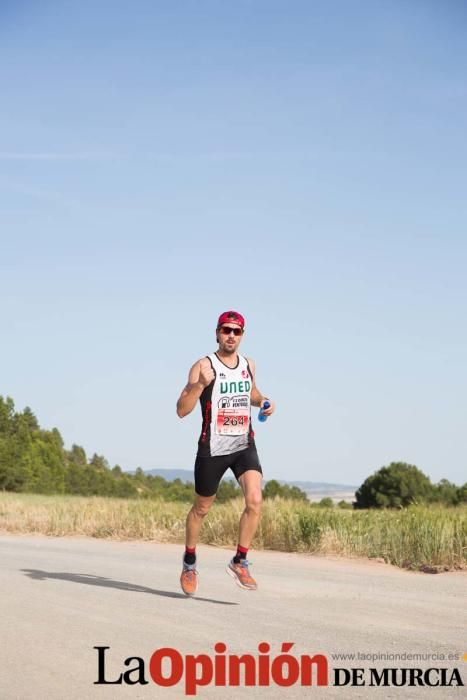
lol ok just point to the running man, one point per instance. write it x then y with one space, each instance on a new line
224 383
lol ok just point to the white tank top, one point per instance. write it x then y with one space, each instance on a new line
225 404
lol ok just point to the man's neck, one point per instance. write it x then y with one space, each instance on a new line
229 359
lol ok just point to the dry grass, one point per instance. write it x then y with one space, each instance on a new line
420 537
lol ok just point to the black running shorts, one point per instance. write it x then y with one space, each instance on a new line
210 470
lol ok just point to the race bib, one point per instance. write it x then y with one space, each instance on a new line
232 421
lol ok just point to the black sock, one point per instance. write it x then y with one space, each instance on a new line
241 554
190 556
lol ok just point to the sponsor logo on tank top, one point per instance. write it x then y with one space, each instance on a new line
234 402
234 387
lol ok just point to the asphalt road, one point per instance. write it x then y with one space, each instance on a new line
61 597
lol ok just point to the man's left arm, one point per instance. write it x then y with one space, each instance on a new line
257 398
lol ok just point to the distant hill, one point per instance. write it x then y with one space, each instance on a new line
320 486
171 474
314 489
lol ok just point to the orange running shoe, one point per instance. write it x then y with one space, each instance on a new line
241 574
189 579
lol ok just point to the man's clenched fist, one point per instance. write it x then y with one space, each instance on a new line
206 372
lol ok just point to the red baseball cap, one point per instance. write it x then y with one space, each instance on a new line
231 317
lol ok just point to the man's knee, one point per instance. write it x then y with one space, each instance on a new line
254 501
201 506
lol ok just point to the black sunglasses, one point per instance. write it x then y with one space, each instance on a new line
226 330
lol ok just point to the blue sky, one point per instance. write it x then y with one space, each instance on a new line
304 163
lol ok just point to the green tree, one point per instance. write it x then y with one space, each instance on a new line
30 419
271 489
77 455
463 493
293 492
345 505
227 490
395 486
326 502
446 492
46 473
7 412
17 469
14 464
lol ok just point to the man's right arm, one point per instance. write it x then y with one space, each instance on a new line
200 376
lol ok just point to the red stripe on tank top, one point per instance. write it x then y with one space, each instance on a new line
206 420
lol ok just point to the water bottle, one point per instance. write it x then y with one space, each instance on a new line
261 416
